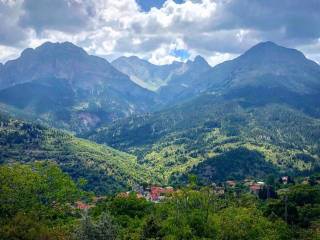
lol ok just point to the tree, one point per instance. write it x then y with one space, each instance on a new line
40 187
247 223
87 229
152 229
25 227
104 229
35 199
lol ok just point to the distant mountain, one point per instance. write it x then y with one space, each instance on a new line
271 64
63 84
164 77
64 61
106 170
265 68
146 74
189 76
248 117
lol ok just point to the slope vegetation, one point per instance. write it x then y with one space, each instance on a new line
105 169
176 140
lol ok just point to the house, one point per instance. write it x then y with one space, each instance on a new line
82 206
159 193
155 193
231 183
256 187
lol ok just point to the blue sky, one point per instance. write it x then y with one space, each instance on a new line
146 5
174 30
182 54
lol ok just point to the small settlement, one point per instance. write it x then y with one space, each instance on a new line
157 194
153 193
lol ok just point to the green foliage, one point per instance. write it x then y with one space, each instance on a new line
193 214
27 227
247 223
275 137
106 170
35 201
104 229
234 164
38 187
299 204
131 207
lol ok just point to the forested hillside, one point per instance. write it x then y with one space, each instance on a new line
221 135
105 169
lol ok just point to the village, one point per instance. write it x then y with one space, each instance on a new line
157 194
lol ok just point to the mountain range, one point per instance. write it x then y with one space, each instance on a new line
61 83
156 77
255 115
146 74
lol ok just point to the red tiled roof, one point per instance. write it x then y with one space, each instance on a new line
82 206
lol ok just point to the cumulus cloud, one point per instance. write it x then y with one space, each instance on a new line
293 18
64 15
10 32
216 29
8 52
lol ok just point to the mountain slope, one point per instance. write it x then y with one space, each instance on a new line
265 102
281 66
165 79
91 90
146 74
106 169
178 139
179 82
266 66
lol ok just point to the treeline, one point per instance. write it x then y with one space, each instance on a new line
39 201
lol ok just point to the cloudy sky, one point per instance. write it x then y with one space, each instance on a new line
160 30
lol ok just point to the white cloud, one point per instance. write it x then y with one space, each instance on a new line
216 29
162 54
7 53
217 58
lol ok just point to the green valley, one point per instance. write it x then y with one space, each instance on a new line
175 140
105 169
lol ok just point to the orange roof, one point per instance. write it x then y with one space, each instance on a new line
82 206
